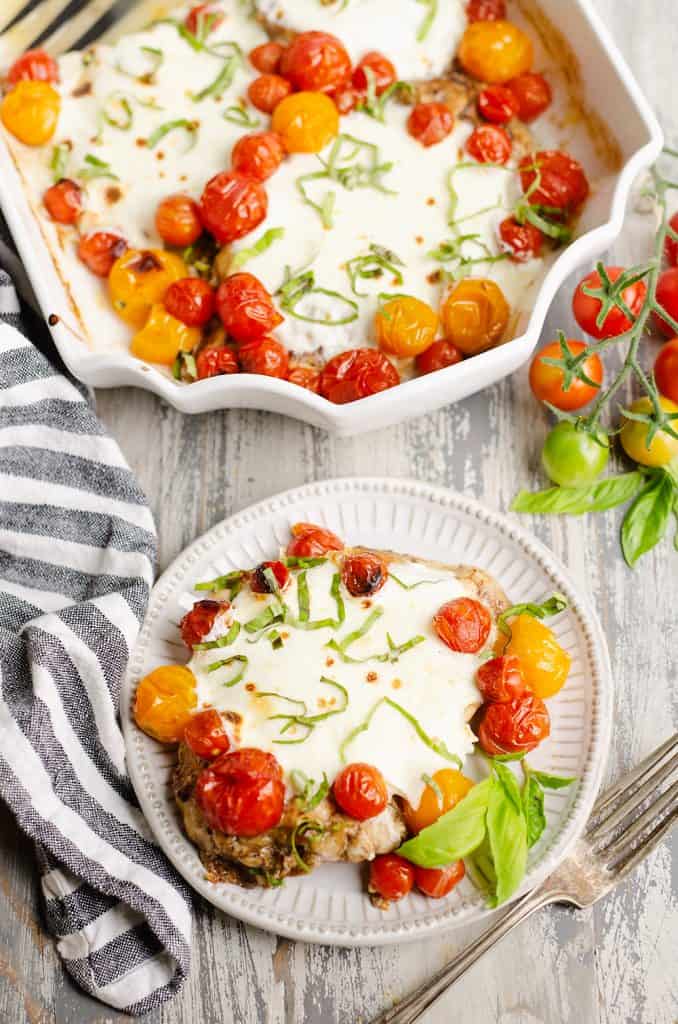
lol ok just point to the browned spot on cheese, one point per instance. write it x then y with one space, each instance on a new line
250 687
396 684
371 677
113 194
84 89
329 662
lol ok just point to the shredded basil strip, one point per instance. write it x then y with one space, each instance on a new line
304 828
412 586
156 57
303 596
124 122
243 256
59 161
224 79
553 606
223 641
184 363
294 562
305 720
297 287
436 745
274 612
241 117
343 166
226 582
429 18
95 168
242 659
190 127
372 265
432 784
374 104
360 632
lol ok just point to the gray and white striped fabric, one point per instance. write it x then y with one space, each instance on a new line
77 551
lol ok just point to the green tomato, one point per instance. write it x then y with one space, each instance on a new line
573 458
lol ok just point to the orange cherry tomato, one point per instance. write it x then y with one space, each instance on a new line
671 247
430 123
258 155
522 242
190 300
383 74
199 621
266 58
495 51
311 541
475 315
63 201
267 91
359 790
532 94
264 355
486 10
306 121
547 381
357 373
305 377
405 326
33 66
203 19
316 62
364 574
544 663
463 624
553 178
216 360
514 728
391 876
497 104
246 308
501 680
586 308
489 144
163 337
139 279
30 112
439 882
164 702
242 792
177 220
437 356
452 785
259 583
232 205
666 370
99 251
205 734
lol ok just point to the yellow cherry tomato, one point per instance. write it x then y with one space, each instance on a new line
31 112
663 447
164 702
475 315
163 337
544 663
453 787
405 326
495 51
139 279
306 121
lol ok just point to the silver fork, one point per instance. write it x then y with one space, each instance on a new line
626 824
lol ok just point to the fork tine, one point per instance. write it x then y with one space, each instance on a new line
68 35
135 19
28 29
647 846
627 782
626 805
650 816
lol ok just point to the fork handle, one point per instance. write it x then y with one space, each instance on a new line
411 1008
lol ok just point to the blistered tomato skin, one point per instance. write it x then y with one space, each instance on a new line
439 882
316 62
430 123
190 300
391 876
259 583
475 315
177 220
663 447
543 661
246 308
162 337
364 574
360 791
553 178
306 122
33 66
501 680
265 356
258 155
452 785
305 377
164 702
100 250
198 622
437 356
232 205
216 360
139 279
63 201
523 242
405 326
463 625
242 792
311 541
355 374
497 104
383 73
495 51
206 736
514 728
266 58
30 112
532 94
267 91
489 144
347 99
486 10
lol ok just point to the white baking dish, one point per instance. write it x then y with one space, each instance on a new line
595 70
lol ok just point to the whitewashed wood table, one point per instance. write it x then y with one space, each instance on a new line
613 964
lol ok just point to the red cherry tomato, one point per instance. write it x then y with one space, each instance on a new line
364 574
197 623
311 541
522 242
430 123
316 62
33 66
63 201
242 792
355 374
347 99
463 624
532 94
486 10
671 247
203 19
501 680
266 58
562 182
667 297
514 728
191 300
586 308
383 72
246 308
497 104
99 250
215 360
489 144
258 155
305 377
177 220
266 92
205 735
437 356
547 381
260 584
391 876
439 882
666 370
264 355
232 205
360 791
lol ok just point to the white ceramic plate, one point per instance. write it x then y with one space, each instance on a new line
330 905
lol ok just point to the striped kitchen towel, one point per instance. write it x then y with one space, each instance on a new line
77 552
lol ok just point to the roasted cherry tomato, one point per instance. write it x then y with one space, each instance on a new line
501 680
439 882
547 381
190 300
522 242
544 663
666 370
177 220
164 702
532 94
405 326
306 121
203 19
163 337
266 58
437 356
355 374
383 74
63 201
391 876
573 457
316 62
489 144
475 315
258 155
497 104
430 123
514 728
347 99
267 91
305 377
264 355
232 205
246 308
31 112
667 297
215 360
671 247
205 734
311 541
363 574
360 791
242 792
259 583
99 251
452 785
463 624
587 308
495 51
486 10
197 623
33 66
662 449
552 178
139 279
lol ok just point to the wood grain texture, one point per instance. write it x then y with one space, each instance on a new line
615 964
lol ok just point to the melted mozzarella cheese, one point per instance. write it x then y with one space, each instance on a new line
432 683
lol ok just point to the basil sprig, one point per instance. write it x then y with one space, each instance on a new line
553 606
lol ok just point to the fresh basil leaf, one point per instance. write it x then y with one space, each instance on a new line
552 606
455 834
575 501
533 809
647 520
509 784
507 832
549 781
481 869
